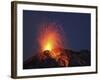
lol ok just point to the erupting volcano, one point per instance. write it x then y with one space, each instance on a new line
51 38
54 39
51 42
52 50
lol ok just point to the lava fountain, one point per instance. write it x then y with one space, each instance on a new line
51 37
51 40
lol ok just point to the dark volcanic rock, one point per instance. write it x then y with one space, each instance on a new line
81 58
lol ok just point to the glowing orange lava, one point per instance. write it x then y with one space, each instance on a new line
51 38
48 46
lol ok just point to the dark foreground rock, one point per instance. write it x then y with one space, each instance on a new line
73 59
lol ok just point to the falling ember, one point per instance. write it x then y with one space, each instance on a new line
51 38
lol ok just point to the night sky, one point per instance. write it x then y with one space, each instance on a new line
77 27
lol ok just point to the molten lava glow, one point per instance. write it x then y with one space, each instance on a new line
48 46
51 38
49 41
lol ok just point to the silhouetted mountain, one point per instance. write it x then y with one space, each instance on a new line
68 58
82 58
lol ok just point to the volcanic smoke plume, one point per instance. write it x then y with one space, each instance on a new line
51 41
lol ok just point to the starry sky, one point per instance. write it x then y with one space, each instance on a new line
76 26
